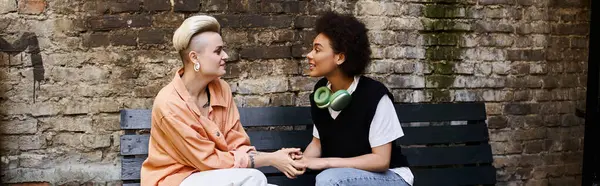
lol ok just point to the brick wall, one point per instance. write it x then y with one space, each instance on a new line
68 66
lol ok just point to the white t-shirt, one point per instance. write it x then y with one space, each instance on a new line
385 127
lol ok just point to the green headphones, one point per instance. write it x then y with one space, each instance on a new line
337 101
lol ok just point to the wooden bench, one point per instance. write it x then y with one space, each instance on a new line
441 153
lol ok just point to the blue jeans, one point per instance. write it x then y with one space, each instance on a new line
351 176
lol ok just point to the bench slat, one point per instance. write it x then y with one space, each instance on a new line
276 116
135 118
419 156
302 180
130 168
134 144
440 112
457 155
273 140
444 134
455 176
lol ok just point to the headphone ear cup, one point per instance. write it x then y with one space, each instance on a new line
339 100
322 97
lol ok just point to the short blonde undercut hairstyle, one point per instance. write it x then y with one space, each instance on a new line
192 26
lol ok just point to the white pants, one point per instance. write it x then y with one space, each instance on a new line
227 177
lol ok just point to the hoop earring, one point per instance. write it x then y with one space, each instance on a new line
196 67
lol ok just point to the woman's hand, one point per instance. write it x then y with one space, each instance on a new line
283 160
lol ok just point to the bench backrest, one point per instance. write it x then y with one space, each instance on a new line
440 153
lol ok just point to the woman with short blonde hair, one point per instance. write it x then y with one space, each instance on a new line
196 135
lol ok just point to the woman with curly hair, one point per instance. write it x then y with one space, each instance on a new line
355 123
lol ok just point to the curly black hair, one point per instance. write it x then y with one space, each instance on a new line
349 36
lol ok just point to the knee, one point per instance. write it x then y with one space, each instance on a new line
256 175
329 177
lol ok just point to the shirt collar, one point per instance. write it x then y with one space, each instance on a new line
352 87
214 88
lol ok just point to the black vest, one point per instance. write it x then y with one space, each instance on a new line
348 135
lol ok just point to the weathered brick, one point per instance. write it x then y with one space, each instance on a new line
510 147
493 26
31 142
465 68
568 3
370 8
559 42
303 99
282 99
96 40
256 21
521 95
519 69
465 95
409 96
405 24
300 51
244 6
106 22
123 39
277 36
500 68
520 109
96 140
526 55
444 11
497 95
118 6
302 83
151 37
8 6
478 82
446 25
500 134
186 6
579 42
32 160
29 126
263 85
496 2
304 22
570 29
70 124
271 52
396 9
170 20
106 122
497 122
410 81
31 6
213 5
534 147
444 53
157 5
495 40
533 28
381 23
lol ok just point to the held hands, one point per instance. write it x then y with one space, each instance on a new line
285 161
